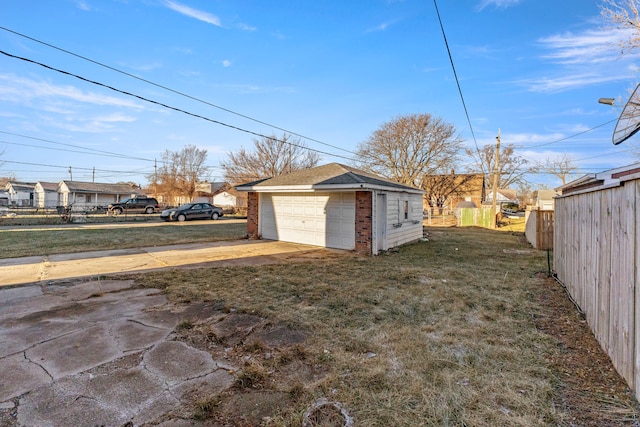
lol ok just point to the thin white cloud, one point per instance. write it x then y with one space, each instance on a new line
82 5
184 50
245 27
114 118
193 13
19 89
190 73
593 46
531 138
379 27
96 124
247 88
501 4
382 26
147 67
581 59
570 81
226 63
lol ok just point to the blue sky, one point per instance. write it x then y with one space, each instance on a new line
331 70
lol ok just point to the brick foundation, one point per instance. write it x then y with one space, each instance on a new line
364 229
252 215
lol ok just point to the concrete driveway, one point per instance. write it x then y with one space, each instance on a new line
16 271
97 352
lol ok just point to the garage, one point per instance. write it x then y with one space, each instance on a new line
321 219
334 206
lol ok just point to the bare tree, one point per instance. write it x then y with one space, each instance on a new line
525 194
4 180
409 147
272 156
178 173
511 170
624 15
448 187
561 167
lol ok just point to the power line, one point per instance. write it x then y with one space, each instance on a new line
569 137
102 152
65 149
89 151
67 167
172 90
453 67
170 107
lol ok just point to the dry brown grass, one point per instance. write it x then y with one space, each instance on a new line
48 241
439 333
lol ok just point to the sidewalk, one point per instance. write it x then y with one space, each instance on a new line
16 271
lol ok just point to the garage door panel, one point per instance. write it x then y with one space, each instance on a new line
334 228
323 219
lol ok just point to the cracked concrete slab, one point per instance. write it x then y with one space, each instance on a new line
99 353
20 375
167 360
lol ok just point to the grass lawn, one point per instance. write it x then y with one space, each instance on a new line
38 240
438 333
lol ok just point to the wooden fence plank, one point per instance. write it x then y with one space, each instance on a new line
596 249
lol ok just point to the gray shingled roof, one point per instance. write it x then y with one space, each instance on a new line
327 175
48 186
93 187
21 186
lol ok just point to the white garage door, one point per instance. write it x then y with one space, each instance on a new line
322 219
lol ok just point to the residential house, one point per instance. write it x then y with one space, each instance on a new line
82 195
544 200
230 198
504 196
46 194
334 206
448 191
20 193
220 194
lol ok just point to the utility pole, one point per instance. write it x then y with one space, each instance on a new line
70 174
155 178
93 175
496 173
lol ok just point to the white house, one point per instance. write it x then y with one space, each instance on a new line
544 200
503 196
82 195
334 206
220 194
225 199
20 193
45 194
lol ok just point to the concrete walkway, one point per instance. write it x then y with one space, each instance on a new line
16 271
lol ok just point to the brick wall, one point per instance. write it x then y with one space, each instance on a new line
252 215
364 231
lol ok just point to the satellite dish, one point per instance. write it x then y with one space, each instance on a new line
629 120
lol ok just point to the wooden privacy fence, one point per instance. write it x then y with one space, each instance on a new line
596 257
539 229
